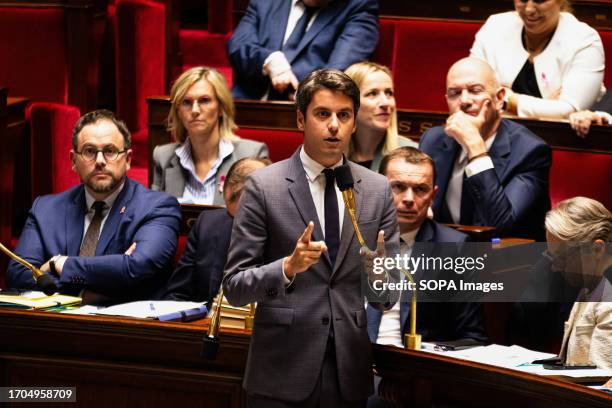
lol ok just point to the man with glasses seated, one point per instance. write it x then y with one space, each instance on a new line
109 239
491 171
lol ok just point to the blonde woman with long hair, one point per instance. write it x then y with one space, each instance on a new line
376 134
201 121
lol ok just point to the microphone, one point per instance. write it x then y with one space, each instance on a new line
44 282
344 180
210 342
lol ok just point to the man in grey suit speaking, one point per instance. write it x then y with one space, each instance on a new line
293 254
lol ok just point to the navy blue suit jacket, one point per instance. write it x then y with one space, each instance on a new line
513 197
436 321
344 32
55 226
198 276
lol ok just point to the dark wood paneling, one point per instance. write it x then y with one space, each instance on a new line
134 362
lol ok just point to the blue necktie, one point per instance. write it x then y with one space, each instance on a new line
291 46
332 221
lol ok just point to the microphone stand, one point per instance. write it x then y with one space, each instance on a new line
210 343
412 340
44 282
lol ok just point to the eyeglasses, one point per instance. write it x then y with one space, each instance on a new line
187 103
110 153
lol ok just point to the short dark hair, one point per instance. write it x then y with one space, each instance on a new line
96 116
410 155
331 79
238 173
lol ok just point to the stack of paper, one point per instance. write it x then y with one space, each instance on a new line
231 316
158 309
37 300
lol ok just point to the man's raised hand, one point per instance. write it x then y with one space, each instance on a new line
305 254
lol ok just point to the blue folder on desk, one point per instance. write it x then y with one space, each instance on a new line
185 315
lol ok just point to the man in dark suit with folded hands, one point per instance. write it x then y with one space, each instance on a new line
109 239
411 174
491 171
293 251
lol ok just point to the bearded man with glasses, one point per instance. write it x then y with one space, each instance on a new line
109 239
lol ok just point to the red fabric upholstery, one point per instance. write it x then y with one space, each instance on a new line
384 51
281 143
51 127
606 38
33 49
200 47
220 16
581 174
423 53
140 64
139 174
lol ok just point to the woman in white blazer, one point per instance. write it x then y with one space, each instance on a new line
551 63
579 232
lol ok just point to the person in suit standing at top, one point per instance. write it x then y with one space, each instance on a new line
293 251
198 275
201 120
278 42
109 239
491 171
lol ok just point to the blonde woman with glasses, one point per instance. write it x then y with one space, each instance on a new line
202 122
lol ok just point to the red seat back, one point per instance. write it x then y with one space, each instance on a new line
282 143
581 174
140 64
33 49
51 127
424 51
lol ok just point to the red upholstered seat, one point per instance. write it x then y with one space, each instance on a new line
424 51
581 174
34 66
140 66
384 53
51 127
200 47
281 143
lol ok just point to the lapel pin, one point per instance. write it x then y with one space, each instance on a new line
122 211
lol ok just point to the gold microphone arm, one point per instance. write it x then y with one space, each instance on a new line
412 340
349 202
37 272
215 321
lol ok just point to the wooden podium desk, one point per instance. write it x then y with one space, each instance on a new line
121 362
420 379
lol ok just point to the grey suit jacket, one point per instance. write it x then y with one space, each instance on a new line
293 323
170 176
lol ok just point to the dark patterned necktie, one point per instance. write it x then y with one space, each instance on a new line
332 220
90 242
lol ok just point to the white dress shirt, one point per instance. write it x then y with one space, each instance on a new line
390 328
455 184
276 63
316 183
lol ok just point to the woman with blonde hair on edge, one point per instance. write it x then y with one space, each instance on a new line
376 134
